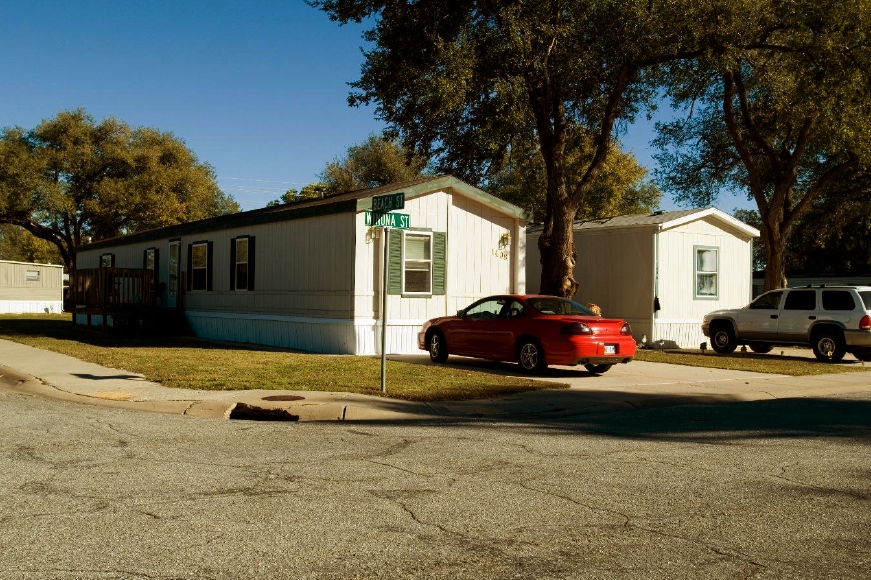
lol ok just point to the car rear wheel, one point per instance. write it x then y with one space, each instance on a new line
598 369
863 354
723 339
761 347
828 346
530 356
438 348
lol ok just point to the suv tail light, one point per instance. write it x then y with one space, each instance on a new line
626 329
865 323
577 328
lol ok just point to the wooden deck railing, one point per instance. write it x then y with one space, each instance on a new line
112 288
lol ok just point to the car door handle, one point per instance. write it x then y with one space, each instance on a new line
773 316
811 317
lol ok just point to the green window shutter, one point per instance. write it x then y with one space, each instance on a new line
439 262
394 262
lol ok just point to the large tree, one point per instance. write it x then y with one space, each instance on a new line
782 115
19 245
72 179
466 81
375 162
621 188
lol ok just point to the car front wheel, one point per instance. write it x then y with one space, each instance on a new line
598 369
530 356
723 339
828 346
438 349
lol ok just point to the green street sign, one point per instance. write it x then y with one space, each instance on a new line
382 203
399 221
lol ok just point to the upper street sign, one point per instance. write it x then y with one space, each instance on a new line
382 203
399 221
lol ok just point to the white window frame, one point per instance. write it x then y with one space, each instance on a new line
417 233
205 268
238 262
31 276
173 267
697 273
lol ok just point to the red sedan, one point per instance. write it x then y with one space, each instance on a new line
533 330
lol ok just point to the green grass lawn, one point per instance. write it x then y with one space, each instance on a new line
197 364
787 364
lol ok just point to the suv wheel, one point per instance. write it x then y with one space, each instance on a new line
761 347
723 339
828 346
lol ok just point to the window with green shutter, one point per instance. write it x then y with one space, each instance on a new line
416 263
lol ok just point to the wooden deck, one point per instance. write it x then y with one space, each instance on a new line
124 295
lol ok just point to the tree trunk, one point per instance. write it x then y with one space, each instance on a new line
557 247
775 266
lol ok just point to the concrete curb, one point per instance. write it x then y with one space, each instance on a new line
639 385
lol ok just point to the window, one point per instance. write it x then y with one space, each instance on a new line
838 300
31 276
768 301
707 268
174 257
149 259
801 300
242 263
200 266
487 309
417 264
107 261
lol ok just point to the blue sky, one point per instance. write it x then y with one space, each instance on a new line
257 89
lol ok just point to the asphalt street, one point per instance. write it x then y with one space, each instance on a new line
745 489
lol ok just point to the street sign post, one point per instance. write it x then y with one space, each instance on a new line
384 203
380 217
398 221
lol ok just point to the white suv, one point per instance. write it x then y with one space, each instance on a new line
832 320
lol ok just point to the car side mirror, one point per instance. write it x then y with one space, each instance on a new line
461 313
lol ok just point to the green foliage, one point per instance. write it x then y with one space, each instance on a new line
620 189
71 179
777 108
469 82
373 163
19 245
310 191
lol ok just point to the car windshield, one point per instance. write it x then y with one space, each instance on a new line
866 298
554 305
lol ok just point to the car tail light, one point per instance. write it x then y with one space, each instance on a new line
865 323
577 328
626 329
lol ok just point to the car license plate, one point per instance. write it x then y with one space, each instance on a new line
610 349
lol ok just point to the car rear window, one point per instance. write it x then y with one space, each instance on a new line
838 300
866 298
801 300
552 305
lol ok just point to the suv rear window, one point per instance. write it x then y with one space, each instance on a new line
838 300
866 298
801 300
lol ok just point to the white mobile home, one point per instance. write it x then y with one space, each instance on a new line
30 288
662 272
308 274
